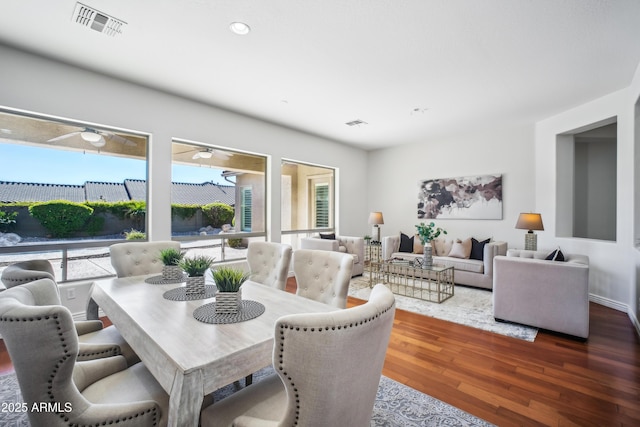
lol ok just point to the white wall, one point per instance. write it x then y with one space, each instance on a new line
39 85
611 272
394 174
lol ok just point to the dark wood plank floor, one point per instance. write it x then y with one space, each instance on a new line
554 381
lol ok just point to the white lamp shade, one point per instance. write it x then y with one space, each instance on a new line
530 221
376 218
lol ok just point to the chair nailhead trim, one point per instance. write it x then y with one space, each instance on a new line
155 416
284 327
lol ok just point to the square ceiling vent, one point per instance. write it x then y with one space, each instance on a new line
98 21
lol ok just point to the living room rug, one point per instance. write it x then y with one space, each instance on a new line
396 405
468 306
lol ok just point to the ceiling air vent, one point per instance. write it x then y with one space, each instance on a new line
101 22
356 123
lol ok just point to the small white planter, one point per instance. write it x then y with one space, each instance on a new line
195 285
228 302
172 272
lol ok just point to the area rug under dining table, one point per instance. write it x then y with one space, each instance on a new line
469 306
395 405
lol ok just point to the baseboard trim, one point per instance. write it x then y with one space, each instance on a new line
616 305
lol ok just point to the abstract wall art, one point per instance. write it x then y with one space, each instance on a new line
467 197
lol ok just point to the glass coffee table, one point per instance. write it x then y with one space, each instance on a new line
434 283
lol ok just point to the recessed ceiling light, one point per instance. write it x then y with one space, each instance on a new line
240 28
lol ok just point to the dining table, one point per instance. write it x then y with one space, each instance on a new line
188 357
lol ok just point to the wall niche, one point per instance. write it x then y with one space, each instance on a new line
587 181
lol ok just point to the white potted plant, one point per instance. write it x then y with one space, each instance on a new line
229 296
171 269
428 232
196 267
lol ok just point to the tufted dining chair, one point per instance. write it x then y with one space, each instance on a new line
328 368
94 340
269 263
128 259
43 346
23 272
323 275
134 259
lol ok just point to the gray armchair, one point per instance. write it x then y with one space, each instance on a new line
269 263
328 368
531 290
345 244
43 346
323 276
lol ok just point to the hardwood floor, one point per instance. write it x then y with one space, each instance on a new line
554 381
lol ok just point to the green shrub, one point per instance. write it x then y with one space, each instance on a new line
184 211
95 225
7 221
60 217
135 235
235 243
218 214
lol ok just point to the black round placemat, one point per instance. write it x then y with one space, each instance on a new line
249 310
158 280
180 294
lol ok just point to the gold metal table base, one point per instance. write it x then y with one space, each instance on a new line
435 283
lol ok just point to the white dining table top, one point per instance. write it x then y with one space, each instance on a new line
186 356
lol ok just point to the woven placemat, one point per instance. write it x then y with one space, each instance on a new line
249 310
180 294
158 280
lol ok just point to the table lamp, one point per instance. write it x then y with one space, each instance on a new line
530 221
375 218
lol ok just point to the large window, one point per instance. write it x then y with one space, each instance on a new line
68 190
308 202
218 198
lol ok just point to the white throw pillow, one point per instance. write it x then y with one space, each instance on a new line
461 249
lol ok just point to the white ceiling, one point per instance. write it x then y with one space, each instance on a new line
314 65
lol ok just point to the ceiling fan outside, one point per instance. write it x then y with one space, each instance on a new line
207 153
96 138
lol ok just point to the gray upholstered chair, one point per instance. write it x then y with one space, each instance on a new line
95 342
128 259
323 275
43 346
345 244
535 291
134 259
328 368
23 272
269 263
139 258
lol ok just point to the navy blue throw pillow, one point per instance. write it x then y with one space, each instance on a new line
477 249
328 236
406 243
556 255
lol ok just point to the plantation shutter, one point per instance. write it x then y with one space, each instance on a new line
322 205
246 209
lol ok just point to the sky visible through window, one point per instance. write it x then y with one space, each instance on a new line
22 163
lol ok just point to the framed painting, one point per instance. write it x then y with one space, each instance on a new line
467 197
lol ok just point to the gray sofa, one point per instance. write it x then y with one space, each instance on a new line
470 272
550 295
